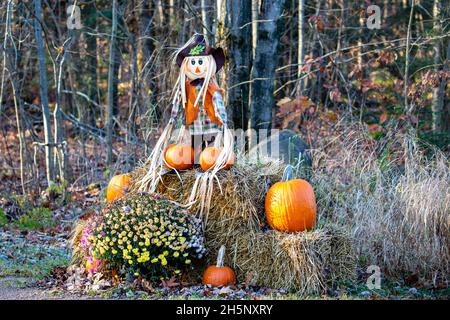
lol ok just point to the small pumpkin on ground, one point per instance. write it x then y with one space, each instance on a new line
219 275
209 156
291 204
117 187
179 156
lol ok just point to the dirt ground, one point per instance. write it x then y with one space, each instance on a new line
15 288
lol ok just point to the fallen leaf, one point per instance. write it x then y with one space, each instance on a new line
170 283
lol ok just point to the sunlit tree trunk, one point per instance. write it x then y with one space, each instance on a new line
255 16
301 45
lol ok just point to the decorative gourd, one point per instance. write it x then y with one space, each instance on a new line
291 204
179 156
117 187
219 275
209 156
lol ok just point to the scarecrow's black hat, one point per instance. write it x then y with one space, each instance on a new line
198 47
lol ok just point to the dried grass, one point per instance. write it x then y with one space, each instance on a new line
392 196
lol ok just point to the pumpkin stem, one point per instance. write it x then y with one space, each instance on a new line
220 256
288 173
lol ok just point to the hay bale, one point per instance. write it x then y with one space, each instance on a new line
306 262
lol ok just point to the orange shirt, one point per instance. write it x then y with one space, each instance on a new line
192 111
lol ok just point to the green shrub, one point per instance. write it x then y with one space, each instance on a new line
3 218
36 219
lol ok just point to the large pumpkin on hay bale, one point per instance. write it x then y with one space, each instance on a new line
117 187
291 205
179 156
219 275
209 156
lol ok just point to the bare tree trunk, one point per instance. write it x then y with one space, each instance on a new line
240 59
438 92
147 48
220 35
301 45
206 21
90 22
360 59
255 16
12 66
5 41
171 8
60 145
446 113
408 109
44 93
263 75
214 21
221 13
160 10
317 52
21 135
111 72
182 17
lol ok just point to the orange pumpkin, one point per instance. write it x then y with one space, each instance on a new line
179 156
219 275
209 156
117 187
230 162
291 205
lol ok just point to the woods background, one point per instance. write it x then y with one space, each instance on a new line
79 104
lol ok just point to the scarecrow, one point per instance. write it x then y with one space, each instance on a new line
199 94
199 113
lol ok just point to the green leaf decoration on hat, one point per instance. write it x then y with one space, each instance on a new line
196 50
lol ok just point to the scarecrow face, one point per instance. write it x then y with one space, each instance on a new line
196 67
